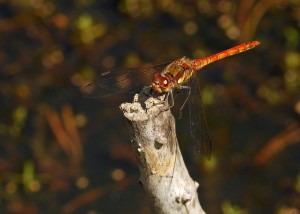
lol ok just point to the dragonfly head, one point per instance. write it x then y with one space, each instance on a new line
161 83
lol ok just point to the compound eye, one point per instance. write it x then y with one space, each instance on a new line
164 82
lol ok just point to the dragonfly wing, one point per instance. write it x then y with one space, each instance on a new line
111 82
198 124
92 90
121 81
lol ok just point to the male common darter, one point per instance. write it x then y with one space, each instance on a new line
165 78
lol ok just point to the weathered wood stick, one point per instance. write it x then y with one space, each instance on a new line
163 173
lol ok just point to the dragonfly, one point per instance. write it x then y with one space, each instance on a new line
179 74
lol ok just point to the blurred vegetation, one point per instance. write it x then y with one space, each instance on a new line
61 153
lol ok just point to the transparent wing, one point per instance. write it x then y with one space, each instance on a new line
121 81
198 124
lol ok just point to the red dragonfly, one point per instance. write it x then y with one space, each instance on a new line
165 78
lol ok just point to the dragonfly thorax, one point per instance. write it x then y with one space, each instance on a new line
174 75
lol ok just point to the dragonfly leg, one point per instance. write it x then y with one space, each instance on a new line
186 99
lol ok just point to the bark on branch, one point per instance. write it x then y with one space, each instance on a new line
163 173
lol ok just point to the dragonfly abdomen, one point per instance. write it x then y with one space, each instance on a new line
200 63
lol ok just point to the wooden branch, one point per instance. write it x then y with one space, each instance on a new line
163 173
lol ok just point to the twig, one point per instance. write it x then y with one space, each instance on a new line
163 173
